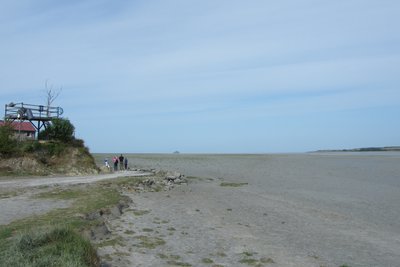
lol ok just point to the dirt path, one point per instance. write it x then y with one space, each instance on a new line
16 200
66 180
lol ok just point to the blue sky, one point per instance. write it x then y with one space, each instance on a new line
209 76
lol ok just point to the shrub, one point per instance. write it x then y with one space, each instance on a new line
7 143
60 130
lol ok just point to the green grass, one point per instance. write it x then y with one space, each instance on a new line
225 184
51 247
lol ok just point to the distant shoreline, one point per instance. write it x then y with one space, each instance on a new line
364 149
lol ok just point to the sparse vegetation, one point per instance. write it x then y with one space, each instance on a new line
8 194
54 238
267 260
249 261
226 184
207 260
140 212
162 256
129 232
111 242
247 254
178 263
150 242
174 257
221 254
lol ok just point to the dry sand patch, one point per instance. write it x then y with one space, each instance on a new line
192 225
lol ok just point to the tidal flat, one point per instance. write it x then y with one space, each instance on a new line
311 209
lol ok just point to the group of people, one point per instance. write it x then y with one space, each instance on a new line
121 161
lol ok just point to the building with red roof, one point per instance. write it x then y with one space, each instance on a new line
22 130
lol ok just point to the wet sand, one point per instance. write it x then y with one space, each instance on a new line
296 210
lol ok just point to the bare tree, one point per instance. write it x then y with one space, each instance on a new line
51 95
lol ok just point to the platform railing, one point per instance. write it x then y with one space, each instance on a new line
31 112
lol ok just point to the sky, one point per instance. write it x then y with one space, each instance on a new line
209 76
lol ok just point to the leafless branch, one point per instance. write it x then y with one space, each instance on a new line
51 95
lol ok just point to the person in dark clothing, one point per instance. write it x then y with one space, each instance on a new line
126 163
121 162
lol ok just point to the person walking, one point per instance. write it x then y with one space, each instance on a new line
115 160
121 162
126 163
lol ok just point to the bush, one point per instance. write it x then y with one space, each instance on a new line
8 144
60 130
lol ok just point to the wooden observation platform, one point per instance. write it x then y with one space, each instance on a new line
38 115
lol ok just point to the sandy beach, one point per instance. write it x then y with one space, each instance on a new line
315 209
275 210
